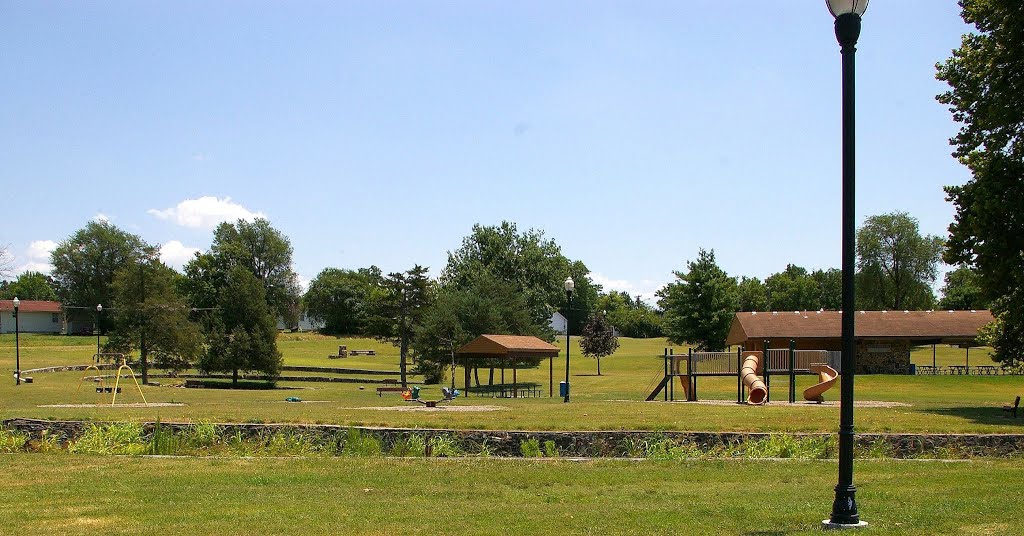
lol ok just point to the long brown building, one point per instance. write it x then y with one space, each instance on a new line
884 338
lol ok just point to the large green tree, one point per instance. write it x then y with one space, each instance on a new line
85 263
397 308
700 305
338 298
267 254
29 286
531 263
752 294
962 291
986 79
792 289
152 317
830 288
632 316
897 265
459 314
242 334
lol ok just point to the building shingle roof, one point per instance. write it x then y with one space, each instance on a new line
867 324
31 306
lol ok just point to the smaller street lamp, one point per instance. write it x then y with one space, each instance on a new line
569 287
99 311
17 346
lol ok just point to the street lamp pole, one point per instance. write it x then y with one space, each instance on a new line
569 286
17 345
99 311
847 15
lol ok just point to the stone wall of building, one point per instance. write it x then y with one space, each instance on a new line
883 357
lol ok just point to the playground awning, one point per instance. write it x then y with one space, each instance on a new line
912 325
509 346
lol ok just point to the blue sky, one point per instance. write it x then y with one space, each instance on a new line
632 133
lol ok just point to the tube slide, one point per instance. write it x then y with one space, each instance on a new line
826 379
758 392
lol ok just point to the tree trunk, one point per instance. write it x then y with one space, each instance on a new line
598 366
476 376
234 377
404 352
490 379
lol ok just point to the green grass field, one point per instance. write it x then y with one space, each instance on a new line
67 494
611 401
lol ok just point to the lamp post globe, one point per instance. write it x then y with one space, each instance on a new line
847 15
569 286
17 345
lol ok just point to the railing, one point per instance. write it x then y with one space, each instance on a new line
964 370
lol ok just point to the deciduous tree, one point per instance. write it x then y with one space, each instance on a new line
531 263
897 265
338 298
962 291
986 79
598 339
85 263
29 286
700 305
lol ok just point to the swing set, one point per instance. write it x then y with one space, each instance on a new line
103 387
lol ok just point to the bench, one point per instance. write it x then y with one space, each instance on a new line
1012 409
362 352
381 390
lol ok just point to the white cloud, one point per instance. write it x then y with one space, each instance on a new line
175 254
100 217
41 267
645 288
205 212
40 250
38 255
303 282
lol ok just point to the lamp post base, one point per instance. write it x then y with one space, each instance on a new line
827 524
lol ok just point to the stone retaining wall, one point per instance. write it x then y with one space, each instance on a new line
581 444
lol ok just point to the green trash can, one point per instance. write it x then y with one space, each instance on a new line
563 389
416 392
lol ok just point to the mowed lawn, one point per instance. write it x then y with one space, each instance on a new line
613 400
88 495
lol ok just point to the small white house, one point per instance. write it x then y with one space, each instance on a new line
305 324
33 316
558 323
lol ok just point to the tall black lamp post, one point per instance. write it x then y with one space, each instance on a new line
17 345
844 508
569 286
99 311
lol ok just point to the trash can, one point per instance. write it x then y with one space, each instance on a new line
563 389
416 392
913 369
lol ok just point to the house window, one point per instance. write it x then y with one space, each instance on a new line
54 318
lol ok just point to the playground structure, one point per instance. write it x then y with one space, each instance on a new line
753 372
413 395
103 387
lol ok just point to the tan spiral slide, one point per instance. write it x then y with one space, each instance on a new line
826 379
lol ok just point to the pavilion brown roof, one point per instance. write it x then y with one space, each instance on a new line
31 306
867 324
507 346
